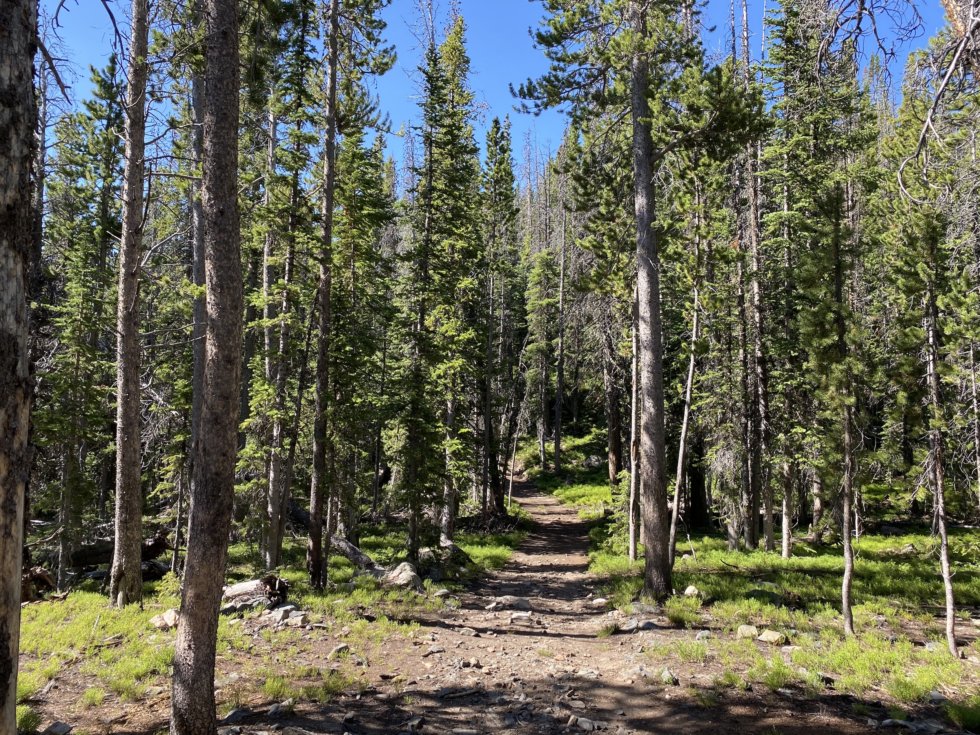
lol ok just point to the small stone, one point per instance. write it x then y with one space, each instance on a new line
576 704
433 650
416 724
703 635
692 591
297 621
469 632
668 679
571 721
648 625
443 592
772 637
165 621
584 724
236 716
403 575
153 692
521 618
349 718
338 651
514 603
936 697
281 708
746 631
474 663
599 602
58 728
229 731
629 626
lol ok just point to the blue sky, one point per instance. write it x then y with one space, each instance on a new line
500 46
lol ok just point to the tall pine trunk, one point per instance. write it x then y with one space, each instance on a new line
653 476
17 39
193 704
633 512
126 581
560 362
319 484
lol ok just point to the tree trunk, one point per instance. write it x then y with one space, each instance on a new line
816 489
614 417
319 484
653 477
447 518
938 459
193 706
560 362
685 425
17 39
689 385
197 266
126 581
787 539
633 511
975 404
847 482
749 498
760 444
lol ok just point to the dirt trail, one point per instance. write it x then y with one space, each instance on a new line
479 670
486 664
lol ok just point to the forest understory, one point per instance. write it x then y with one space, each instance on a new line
547 636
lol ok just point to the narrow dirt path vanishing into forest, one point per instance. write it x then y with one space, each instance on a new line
492 665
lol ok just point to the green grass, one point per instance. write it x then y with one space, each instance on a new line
965 715
683 611
92 697
28 720
897 591
121 654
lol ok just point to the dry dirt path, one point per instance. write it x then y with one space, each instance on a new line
478 670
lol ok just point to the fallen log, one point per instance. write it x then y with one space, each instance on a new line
355 556
272 588
101 552
35 583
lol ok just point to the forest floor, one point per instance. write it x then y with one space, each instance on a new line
477 661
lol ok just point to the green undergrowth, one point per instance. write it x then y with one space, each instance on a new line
584 480
897 591
121 655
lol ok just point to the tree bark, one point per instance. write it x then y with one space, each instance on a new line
938 457
685 425
560 362
17 43
614 417
761 488
787 516
319 484
847 482
126 581
633 512
653 477
193 705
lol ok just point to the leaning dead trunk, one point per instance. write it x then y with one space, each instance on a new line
17 36
126 583
193 705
